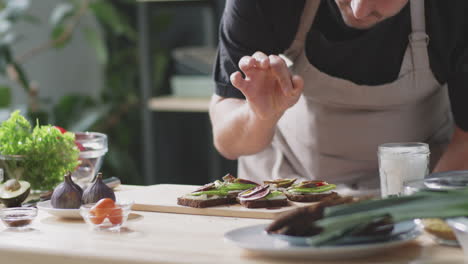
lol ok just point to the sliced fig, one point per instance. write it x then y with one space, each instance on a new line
281 183
244 181
311 184
206 187
255 193
229 178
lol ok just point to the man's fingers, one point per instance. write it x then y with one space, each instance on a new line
281 72
262 60
238 81
298 85
247 64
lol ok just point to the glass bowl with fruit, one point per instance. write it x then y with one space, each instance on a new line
106 214
93 147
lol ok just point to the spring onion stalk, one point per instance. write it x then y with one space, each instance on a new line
341 220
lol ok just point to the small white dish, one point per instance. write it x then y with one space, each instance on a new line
61 213
459 225
255 239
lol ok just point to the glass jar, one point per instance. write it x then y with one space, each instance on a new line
11 167
400 163
93 147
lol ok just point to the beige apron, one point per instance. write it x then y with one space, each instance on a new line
333 132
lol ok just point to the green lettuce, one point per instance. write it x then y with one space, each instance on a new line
47 154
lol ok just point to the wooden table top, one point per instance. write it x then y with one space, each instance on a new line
170 238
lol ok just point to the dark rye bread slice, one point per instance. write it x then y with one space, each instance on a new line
312 197
300 221
265 203
205 203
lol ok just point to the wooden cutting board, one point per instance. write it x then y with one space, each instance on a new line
163 198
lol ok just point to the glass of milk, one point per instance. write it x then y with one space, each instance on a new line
400 163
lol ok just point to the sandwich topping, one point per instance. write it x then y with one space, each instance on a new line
280 183
311 187
219 189
261 193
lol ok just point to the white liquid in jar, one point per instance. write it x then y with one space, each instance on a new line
398 165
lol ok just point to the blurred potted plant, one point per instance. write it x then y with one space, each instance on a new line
5 102
117 111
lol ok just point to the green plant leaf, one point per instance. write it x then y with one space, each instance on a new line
90 118
14 9
57 33
38 115
5 96
110 16
121 161
8 39
13 134
5 58
31 19
5 26
69 109
98 44
61 12
22 78
48 154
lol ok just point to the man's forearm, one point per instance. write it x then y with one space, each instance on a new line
456 155
237 131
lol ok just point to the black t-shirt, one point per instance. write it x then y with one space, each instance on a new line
368 57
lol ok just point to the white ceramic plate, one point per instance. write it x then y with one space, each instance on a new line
255 239
62 213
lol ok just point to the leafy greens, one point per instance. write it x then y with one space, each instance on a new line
46 153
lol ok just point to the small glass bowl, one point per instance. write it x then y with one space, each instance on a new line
459 225
18 218
93 147
107 219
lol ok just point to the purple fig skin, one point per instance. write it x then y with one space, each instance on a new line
281 183
244 181
76 185
97 191
205 187
254 194
229 178
66 195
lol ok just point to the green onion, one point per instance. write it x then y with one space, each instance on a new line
340 220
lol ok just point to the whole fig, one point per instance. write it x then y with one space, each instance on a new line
76 186
67 195
97 191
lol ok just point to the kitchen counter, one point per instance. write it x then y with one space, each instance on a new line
170 238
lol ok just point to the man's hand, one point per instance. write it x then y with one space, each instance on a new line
456 154
245 127
268 85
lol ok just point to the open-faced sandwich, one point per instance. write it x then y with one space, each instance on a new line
216 193
280 184
262 197
310 191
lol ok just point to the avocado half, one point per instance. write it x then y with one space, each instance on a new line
14 198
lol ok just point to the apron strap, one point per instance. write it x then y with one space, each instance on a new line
418 18
307 19
418 38
305 23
